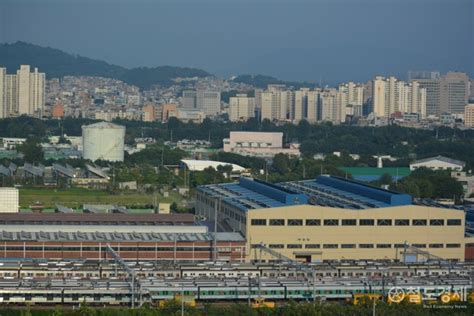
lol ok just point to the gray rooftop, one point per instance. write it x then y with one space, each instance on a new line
114 236
442 158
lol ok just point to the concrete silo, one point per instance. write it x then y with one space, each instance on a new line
103 141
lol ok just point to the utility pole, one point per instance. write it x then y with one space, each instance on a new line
215 228
182 299
266 171
250 289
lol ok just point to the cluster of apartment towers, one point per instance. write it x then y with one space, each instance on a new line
426 93
22 93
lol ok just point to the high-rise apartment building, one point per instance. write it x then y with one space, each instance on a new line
332 103
3 92
23 93
11 96
444 94
208 101
391 95
189 99
454 92
149 113
241 108
205 100
471 94
306 104
276 103
469 115
37 92
354 93
427 75
168 110
23 89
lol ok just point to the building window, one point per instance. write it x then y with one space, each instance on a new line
366 222
384 246
276 246
259 222
294 246
312 246
453 245
454 222
295 222
419 222
348 222
384 222
419 245
331 222
346 246
313 222
366 246
399 246
402 222
436 245
436 222
277 222
330 246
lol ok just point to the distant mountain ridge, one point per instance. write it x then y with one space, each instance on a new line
56 63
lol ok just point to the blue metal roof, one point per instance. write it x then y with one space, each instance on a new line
367 191
253 194
324 190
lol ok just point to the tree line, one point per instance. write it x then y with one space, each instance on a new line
290 309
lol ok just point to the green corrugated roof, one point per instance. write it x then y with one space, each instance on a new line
370 171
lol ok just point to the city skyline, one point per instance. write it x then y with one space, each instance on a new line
286 46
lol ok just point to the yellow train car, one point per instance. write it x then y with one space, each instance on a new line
359 298
260 303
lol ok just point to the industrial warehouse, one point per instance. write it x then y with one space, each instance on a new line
333 218
158 237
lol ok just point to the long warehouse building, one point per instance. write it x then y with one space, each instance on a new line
332 218
137 237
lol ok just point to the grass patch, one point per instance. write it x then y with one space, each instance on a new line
75 198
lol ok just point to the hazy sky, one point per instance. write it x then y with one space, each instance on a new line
337 40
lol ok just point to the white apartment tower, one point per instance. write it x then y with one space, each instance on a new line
3 92
11 96
37 92
276 103
391 95
332 109
23 93
23 89
241 108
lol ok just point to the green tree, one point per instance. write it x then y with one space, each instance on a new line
281 163
86 310
32 150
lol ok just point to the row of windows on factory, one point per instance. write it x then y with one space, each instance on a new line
353 222
351 246
84 249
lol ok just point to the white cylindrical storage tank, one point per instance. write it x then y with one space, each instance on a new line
103 141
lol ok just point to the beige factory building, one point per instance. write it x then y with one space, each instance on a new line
314 233
331 218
